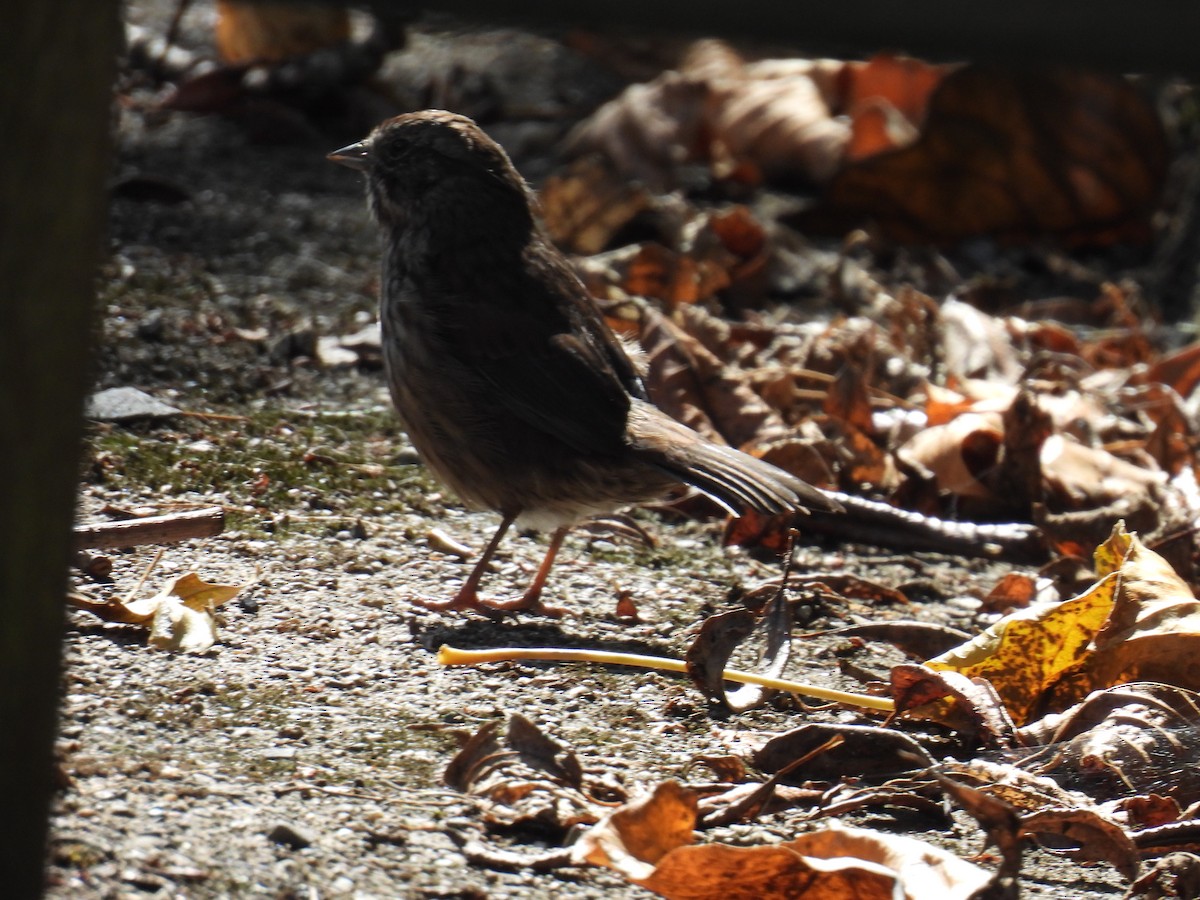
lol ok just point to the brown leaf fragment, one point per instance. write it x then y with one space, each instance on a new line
215 90
721 634
903 83
1075 534
524 778
968 705
1098 838
650 131
777 129
958 453
1077 154
726 767
848 398
1001 824
1026 426
779 120
1136 738
264 31
1148 810
1015 590
586 204
863 751
753 529
1174 875
693 385
1179 370
635 837
653 270
745 802
650 843
1011 784
1079 477
913 794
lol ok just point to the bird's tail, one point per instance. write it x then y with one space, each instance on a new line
733 479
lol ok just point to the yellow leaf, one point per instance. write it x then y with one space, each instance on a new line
187 591
1139 622
197 594
1152 634
649 841
1028 649
177 626
1111 554
184 617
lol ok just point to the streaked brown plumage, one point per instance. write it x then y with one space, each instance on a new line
509 384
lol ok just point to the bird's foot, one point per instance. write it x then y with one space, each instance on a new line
529 603
472 602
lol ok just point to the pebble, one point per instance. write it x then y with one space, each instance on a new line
290 836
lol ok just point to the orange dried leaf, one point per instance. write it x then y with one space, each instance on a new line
1139 622
650 843
876 128
1015 590
957 453
1179 370
848 398
1081 155
904 83
587 203
1078 476
752 529
259 31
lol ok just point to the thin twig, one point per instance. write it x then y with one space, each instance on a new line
451 656
150 530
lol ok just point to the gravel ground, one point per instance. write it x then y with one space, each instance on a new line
303 755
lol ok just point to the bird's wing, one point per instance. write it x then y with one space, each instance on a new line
553 363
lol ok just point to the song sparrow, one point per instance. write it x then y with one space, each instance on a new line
509 384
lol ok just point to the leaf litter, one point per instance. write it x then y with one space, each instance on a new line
913 391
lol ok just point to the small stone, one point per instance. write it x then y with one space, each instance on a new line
290 836
124 404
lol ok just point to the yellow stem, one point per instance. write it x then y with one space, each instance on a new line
452 656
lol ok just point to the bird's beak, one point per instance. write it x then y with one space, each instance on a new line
356 156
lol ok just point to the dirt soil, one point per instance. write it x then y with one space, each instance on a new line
303 755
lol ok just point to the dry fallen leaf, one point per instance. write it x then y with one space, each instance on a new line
1081 155
1141 737
182 616
185 614
1139 622
782 120
586 204
650 843
521 778
267 32
955 454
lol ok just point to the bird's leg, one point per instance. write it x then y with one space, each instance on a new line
531 600
468 595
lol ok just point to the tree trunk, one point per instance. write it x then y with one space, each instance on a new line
57 62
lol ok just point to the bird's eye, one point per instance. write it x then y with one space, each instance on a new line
393 153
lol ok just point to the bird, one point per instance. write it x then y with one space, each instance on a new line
508 382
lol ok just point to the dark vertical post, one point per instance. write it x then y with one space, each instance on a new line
57 62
